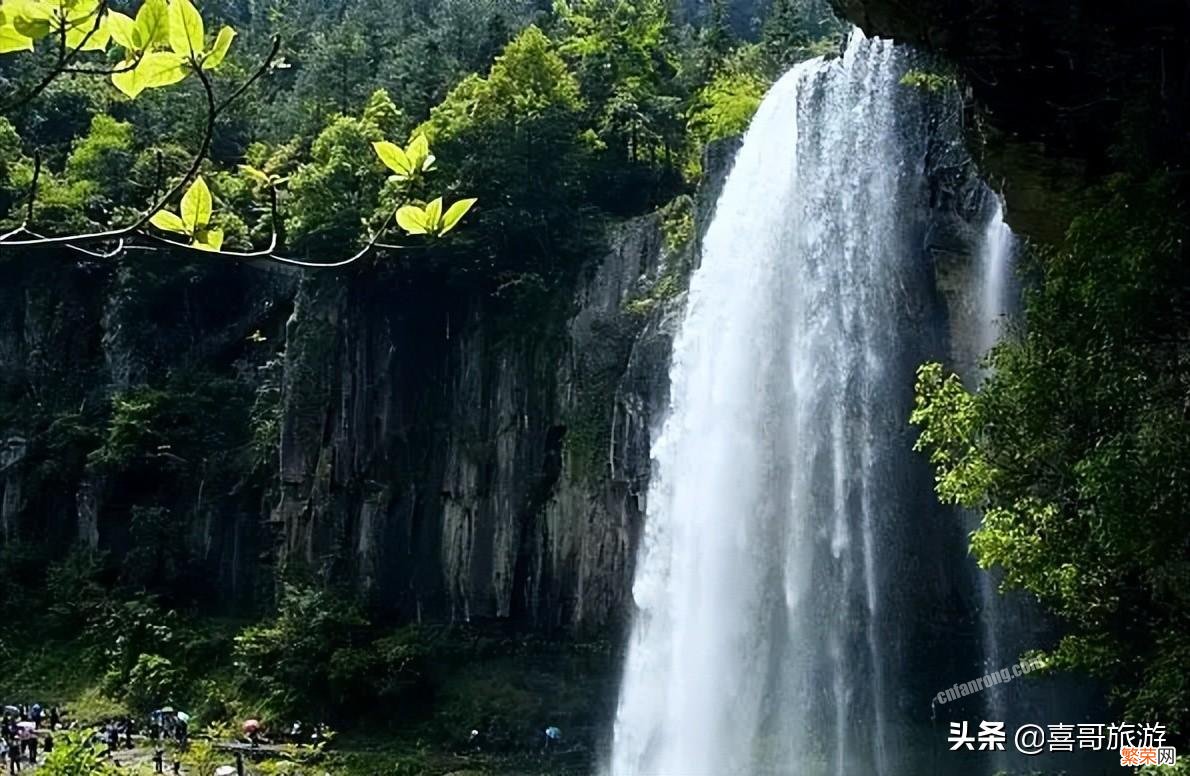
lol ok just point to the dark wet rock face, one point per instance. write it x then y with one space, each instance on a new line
1067 92
477 458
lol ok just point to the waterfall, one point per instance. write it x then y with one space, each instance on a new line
996 256
786 560
999 631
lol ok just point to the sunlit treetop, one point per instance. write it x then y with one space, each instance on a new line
158 44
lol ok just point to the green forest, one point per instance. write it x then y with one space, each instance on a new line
246 247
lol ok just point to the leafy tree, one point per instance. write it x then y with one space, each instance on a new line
724 106
717 37
383 113
102 158
1077 447
784 34
152 682
625 56
514 138
295 661
338 189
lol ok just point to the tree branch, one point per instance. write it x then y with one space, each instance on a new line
65 57
213 111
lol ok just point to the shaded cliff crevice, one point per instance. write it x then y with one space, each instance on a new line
1065 93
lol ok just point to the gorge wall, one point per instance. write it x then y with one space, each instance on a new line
442 451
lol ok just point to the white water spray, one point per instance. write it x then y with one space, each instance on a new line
766 639
996 260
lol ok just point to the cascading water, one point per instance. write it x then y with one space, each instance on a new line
996 296
997 251
786 511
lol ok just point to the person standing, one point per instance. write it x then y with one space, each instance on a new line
14 757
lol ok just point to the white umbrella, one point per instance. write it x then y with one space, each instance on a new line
225 770
183 716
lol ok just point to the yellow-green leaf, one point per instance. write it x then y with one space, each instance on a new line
160 68
418 151
29 18
167 221
412 219
186 34
122 29
208 239
257 175
434 215
12 40
455 213
394 158
87 34
126 80
196 206
219 50
152 24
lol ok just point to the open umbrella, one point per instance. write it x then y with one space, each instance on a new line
27 725
166 709
11 710
183 716
251 725
225 770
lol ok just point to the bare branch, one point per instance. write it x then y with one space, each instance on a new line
33 186
128 68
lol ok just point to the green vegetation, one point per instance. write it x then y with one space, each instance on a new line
1077 446
928 81
406 695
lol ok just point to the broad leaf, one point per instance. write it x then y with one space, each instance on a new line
159 68
434 215
12 40
126 80
394 158
31 19
412 219
163 219
455 213
152 24
208 239
219 50
186 32
84 35
122 29
196 206
418 152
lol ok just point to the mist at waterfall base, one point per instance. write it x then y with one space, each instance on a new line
801 598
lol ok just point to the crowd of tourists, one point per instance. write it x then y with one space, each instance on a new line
27 733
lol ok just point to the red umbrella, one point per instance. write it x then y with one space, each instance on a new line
251 725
